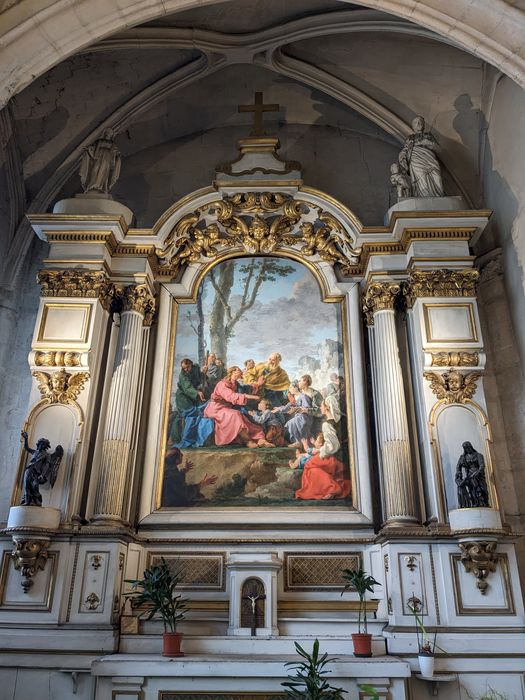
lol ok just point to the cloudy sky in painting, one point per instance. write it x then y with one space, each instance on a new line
288 316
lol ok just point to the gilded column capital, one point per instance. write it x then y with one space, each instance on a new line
440 283
90 284
137 297
378 297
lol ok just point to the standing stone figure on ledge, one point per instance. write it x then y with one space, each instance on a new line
399 178
100 166
418 158
42 467
470 479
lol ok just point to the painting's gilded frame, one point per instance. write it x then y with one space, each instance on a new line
191 298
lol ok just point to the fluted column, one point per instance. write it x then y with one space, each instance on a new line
397 478
121 415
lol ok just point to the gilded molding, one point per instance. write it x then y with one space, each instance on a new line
256 222
74 284
61 386
137 297
440 283
29 556
380 296
455 359
453 386
57 358
479 558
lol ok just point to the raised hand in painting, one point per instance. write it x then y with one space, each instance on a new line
208 480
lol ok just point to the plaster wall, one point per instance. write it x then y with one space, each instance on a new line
413 76
16 376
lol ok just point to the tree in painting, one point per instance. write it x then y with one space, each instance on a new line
258 392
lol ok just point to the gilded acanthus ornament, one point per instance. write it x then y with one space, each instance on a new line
74 283
479 558
380 296
57 358
257 223
455 359
440 283
61 386
453 386
29 556
137 297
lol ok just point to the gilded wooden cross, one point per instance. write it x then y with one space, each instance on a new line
258 108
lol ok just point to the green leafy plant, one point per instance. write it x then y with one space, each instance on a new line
361 582
369 690
309 680
156 590
426 647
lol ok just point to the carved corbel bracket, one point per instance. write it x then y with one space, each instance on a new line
480 559
29 556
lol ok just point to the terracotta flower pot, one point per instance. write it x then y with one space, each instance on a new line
362 644
171 644
426 665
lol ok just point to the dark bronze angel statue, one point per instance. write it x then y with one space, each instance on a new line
42 468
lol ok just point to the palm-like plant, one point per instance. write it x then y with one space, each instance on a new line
309 681
361 582
156 590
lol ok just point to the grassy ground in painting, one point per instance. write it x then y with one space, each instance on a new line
256 477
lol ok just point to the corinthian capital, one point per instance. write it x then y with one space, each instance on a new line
440 283
378 297
137 297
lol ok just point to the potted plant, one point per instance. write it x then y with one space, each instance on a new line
309 680
360 581
425 646
156 590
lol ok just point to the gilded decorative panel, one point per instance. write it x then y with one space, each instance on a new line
196 571
64 323
318 572
468 600
13 598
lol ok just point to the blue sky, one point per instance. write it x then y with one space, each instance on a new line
288 317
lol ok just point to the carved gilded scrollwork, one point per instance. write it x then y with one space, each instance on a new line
57 358
76 283
378 297
257 222
61 386
455 359
29 556
453 386
479 558
440 283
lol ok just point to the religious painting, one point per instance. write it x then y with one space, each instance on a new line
257 400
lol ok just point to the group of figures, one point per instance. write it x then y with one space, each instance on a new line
417 172
259 407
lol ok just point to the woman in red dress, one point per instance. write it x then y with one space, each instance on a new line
232 426
324 475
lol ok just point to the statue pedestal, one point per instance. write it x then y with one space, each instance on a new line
33 518
474 519
93 203
31 528
426 204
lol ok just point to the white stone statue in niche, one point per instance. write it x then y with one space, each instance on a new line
100 166
418 158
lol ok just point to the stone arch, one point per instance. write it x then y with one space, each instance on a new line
492 30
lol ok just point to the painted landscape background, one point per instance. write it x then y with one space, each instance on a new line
246 309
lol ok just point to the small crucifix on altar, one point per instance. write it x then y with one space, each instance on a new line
258 108
254 597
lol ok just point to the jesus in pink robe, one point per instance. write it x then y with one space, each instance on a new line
232 426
